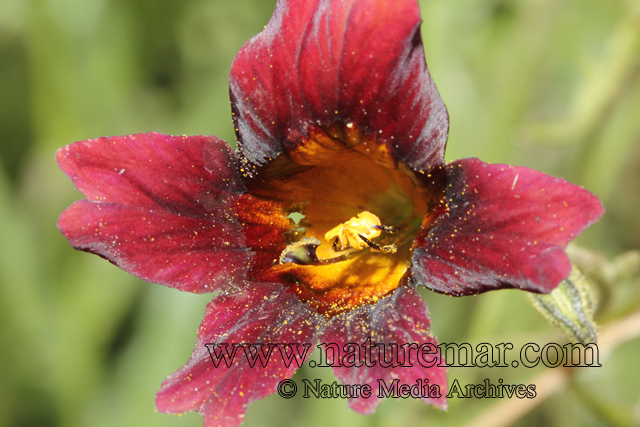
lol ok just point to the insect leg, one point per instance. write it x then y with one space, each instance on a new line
386 228
391 249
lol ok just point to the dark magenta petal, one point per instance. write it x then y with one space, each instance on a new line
264 313
507 227
160 207
191 253
358 63
180 174
401 318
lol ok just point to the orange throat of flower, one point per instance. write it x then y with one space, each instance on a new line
361 212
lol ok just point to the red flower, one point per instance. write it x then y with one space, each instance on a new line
336 115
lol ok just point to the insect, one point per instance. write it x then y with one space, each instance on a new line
358 232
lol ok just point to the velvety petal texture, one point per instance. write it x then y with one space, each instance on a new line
401 318
264 313
506 227
336 114
160 207
320 64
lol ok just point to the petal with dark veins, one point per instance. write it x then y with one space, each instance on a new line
264 313
506 227
401 318
161 207
355 64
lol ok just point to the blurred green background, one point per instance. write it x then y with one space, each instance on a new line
549 84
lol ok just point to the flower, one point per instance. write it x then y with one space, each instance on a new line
338 123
